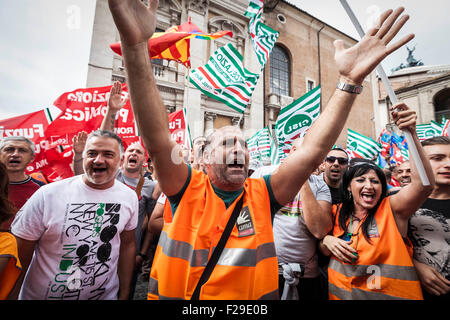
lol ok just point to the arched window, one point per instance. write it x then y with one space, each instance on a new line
442 105
280 74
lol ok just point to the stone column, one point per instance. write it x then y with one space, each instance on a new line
209 123
197 10
101 56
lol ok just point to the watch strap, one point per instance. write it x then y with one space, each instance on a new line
349 87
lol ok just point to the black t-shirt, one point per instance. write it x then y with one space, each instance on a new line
429 230
336 196
441 206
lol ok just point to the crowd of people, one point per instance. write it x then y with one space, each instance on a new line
203 226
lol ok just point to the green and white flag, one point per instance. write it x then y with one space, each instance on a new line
362 146
253 8
225 79
259 145
295 119
263 38
425 131
437 127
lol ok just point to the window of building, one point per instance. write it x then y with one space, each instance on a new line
310 84
280 74
442 105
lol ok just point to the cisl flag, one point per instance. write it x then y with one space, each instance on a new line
295 119
362 146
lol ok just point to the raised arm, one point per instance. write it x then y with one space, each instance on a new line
410 198
354 64
78 143
136 23
317 213
114 106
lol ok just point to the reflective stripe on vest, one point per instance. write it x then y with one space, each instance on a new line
358 294
386 270
237 257
383 270
246 269
153 289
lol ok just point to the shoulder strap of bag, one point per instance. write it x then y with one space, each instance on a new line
218 250
139 186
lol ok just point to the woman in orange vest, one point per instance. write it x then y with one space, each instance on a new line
10 267
371 257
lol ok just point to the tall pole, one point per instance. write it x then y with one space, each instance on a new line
409 138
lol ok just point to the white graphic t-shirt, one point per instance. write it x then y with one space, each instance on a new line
78 232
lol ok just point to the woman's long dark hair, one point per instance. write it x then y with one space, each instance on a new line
347 208
7 210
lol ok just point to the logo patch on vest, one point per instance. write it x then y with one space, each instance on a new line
372 231
244 223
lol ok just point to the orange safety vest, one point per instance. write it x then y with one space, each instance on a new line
39 176
384 269
247 268
10 274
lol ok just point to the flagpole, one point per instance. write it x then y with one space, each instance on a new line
409 138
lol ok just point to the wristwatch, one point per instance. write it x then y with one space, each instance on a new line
349 87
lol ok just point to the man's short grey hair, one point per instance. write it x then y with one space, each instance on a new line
20 139
107 134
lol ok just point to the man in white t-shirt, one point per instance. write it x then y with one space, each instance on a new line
76 237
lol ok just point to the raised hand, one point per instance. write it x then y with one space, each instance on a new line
357 62
79 141
135 21
404 117
114 102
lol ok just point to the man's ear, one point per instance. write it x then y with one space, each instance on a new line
122 158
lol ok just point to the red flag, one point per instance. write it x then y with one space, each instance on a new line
31 125
34 126
179 129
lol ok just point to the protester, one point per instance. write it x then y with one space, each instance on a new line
296 228
175 272
335 165
370 230
402 173
76 236
429 227
10 266
132 175
16 153
196 156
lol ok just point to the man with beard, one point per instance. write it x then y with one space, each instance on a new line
429 227
75 237
335 165
201 205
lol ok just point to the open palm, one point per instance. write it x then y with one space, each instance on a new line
357 62
135 21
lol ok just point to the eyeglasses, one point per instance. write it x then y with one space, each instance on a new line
340 160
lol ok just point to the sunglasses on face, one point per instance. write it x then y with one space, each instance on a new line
340 160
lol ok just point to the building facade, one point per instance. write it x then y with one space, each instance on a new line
302 58
425 89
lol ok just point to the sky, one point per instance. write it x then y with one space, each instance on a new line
45 44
